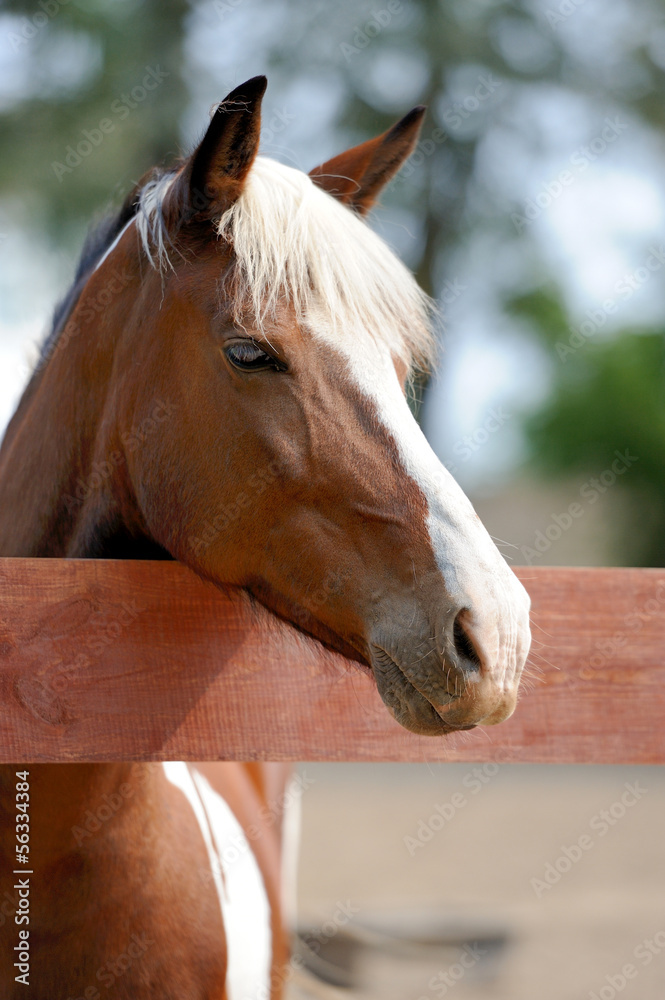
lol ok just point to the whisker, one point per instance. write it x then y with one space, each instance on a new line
538 626
501 541
548 662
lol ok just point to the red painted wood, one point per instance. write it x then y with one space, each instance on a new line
105 660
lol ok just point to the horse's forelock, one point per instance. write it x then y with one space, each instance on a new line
293 241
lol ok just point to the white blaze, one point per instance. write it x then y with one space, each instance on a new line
473 569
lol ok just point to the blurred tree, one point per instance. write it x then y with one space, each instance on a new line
607 399
117 63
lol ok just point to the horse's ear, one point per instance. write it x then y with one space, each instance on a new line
356 176
217 169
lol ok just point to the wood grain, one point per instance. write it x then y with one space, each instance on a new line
105 660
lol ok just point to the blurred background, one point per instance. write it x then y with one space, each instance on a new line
487 882
533 210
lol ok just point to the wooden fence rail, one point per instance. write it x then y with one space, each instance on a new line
105 660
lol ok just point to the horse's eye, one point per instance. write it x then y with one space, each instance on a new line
248 356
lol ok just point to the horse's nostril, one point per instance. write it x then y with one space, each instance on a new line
463 644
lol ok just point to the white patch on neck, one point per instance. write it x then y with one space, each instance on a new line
240 888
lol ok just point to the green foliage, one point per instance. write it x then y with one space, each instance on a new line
607 396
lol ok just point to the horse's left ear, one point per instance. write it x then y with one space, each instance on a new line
217 169
356 176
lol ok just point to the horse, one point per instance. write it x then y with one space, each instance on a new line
225 384
146 880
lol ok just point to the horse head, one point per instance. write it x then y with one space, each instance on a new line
277 333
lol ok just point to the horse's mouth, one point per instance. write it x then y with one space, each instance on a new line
407 703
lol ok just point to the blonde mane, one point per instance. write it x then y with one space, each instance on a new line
293 240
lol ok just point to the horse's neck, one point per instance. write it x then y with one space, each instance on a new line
59 493
45 451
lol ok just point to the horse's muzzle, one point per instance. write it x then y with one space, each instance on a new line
441 684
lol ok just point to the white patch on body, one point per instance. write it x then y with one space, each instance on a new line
291 825
242 895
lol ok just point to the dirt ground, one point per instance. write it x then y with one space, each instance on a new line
516 882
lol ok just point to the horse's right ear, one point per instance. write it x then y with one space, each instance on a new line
217 169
